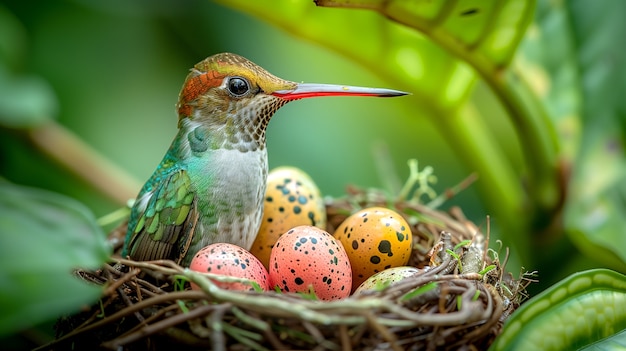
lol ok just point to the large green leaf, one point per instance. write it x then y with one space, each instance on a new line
579 311
43 237
486 33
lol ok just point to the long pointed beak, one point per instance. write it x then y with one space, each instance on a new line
307 90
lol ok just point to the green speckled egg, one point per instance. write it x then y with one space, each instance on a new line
375 239
291 199
386 278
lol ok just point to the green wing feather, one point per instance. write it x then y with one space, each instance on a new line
164 216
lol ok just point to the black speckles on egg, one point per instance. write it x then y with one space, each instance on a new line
297 209
400 236
355 245
298 281
375 259
384 247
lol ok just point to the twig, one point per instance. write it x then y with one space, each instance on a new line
214 322
173 296
384 332
344 338
158 326
117 283
69 150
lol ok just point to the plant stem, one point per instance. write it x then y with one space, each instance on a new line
71 152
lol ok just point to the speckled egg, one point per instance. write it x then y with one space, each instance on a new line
375 239
306 258
230 260
291 199
386 278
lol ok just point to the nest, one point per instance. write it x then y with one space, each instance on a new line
458 300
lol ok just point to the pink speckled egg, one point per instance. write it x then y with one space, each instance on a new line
230 260
306 258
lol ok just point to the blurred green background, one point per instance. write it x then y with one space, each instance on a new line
110 73
117 67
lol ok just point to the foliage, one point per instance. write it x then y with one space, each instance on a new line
44 236
578 312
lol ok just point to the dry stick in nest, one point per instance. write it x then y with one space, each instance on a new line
172 296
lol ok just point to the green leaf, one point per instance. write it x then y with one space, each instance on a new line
487 30
614 342
419 291
582 309
44 236
487 269
594 214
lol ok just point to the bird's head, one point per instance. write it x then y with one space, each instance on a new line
230 93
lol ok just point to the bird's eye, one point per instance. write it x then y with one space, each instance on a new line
238 86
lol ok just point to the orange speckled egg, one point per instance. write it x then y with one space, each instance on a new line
306 258
375 239
291 199
230 260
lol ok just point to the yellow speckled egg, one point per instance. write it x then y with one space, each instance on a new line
375 239
291 199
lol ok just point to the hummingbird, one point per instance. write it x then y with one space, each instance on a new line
210 185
